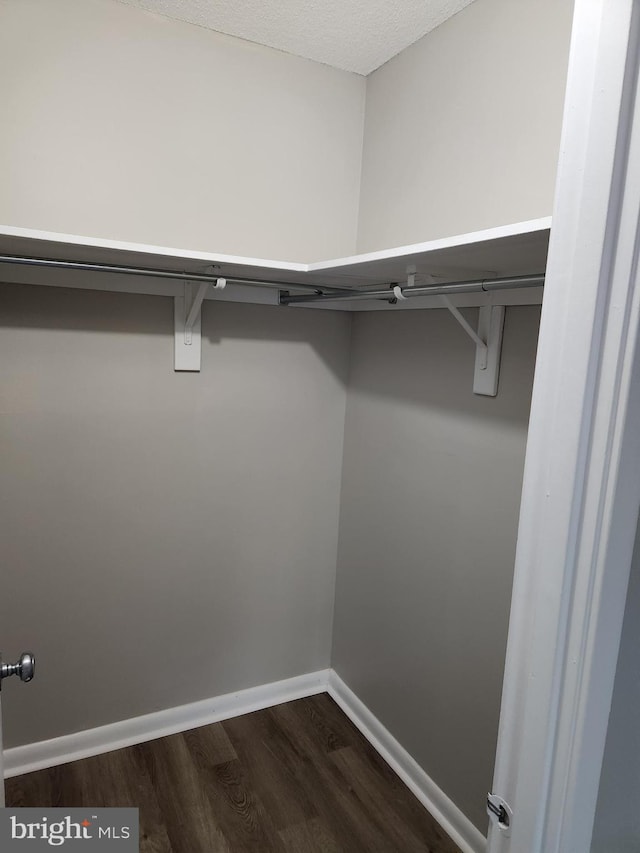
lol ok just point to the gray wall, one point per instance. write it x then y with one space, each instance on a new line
153 513
165 537
617 822
462 129
123 124
429 512
127 125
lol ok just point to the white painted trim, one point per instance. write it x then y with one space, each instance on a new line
1 761
581 491
456 824
61 750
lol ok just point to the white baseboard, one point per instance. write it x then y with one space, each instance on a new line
61 750
456 824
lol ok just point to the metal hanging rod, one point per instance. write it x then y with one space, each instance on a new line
317 290
396 291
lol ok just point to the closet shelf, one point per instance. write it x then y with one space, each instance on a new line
515 254
507 251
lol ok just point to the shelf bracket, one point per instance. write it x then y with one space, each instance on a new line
187 314
488 341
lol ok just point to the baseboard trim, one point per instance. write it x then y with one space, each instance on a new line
62 750
456 824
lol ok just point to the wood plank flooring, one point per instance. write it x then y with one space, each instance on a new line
297 778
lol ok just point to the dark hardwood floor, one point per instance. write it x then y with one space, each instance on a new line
297 778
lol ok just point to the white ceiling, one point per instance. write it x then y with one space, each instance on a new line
355 35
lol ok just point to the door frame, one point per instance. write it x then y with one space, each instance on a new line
581 488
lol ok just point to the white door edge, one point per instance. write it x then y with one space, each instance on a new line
581 490
1 761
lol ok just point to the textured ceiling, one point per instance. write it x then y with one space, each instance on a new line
355 35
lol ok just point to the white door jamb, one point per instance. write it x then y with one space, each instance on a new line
581 492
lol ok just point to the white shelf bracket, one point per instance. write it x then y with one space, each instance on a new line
488 341
187 313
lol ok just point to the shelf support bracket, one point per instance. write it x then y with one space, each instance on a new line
488 341
187 313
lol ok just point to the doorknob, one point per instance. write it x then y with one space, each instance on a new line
24 668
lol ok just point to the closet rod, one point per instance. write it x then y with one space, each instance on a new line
450 289
155 273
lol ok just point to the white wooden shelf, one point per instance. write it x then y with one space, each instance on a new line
510 250
506 252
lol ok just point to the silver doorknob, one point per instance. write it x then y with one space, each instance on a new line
24 668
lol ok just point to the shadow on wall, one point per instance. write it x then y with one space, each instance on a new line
423 358
431 484
153 513
90 311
